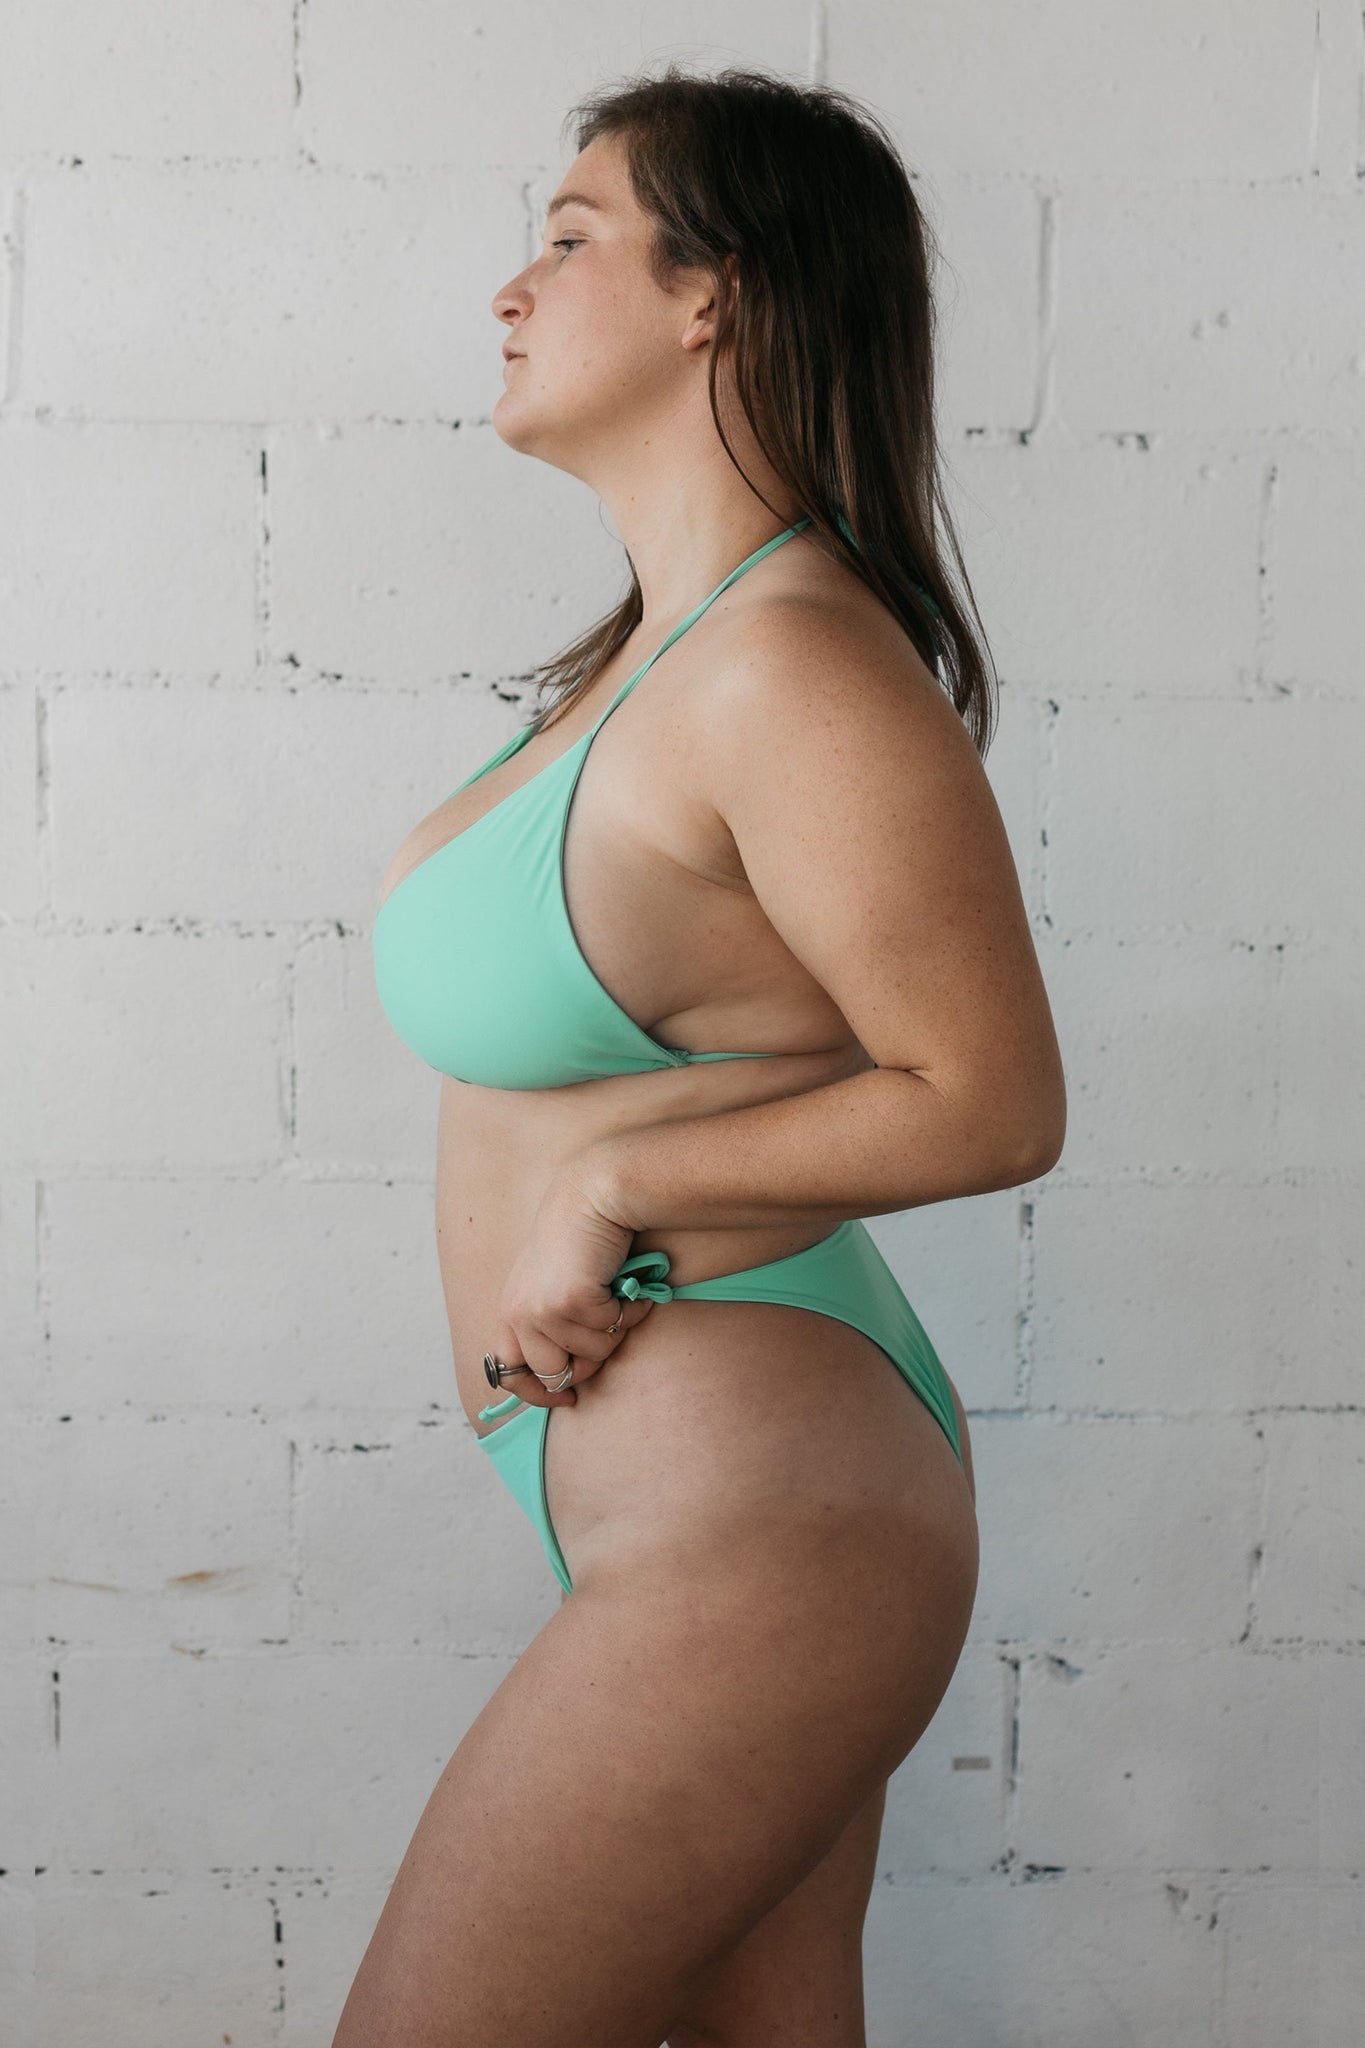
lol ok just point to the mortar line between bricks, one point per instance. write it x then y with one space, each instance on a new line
1026 1281
1313 153
301 678
1255 1561
288 1069
293 1539
277 1913
151 1650
14 263
302 1172
1009 1818
1044 394
1049 720
1267 506
261 578
1279 976
430 170
1243 1880
1225 1881
296 67
376 1416
42 1267
1220 2032
1198 938
42 810
1238 439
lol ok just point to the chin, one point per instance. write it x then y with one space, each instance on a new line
517 433
525 428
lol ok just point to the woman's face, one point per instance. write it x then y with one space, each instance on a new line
603 352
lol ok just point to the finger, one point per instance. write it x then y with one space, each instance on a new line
587 1340
635 1311
539 1355
548 1357
548 1349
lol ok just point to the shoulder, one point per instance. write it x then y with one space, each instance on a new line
828 689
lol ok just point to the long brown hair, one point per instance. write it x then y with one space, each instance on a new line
828 324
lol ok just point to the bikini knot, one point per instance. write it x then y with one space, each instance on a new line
654 1265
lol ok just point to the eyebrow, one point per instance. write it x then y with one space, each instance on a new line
574 199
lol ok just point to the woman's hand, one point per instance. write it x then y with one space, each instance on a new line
558 1303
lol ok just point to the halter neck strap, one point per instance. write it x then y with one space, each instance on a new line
696 612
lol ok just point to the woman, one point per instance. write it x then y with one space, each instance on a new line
812 998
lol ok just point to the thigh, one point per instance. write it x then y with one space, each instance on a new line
796 1976
675 1751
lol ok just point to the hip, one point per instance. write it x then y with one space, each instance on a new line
773 1399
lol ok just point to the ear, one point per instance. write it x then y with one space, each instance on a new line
701 327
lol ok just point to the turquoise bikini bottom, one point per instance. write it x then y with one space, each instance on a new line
843 1276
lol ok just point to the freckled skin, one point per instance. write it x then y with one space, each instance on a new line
663 1824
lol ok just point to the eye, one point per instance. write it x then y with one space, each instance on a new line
567 243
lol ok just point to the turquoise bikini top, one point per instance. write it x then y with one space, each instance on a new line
475 959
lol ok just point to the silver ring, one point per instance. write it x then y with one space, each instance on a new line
495 1372
565 1379
612 1328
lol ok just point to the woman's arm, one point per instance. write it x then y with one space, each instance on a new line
869 833
877 1142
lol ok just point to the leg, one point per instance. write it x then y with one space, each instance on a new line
795 1980
679 1747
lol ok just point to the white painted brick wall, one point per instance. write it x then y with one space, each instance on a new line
267 582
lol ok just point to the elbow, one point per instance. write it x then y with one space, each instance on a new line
1022 1164
1041 1122
1024 1149
1041 1149
1016 1171
1007 1146
1035 1163
1009 1162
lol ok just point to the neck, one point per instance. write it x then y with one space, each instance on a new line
685 529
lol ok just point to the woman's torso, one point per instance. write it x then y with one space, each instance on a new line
662 912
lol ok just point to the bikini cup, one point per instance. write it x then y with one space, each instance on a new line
475 958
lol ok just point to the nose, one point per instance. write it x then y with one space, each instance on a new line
512 303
